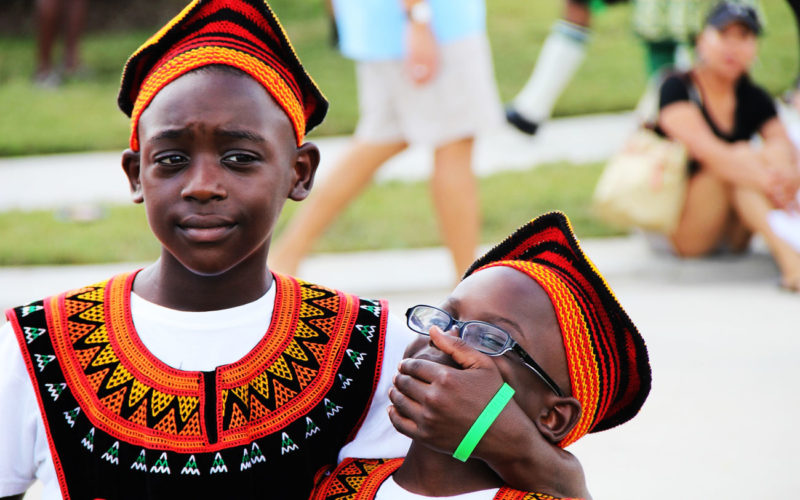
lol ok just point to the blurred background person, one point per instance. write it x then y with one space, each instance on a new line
51 17
425 77
733 185
667 29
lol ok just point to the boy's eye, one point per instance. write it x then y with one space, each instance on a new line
239 158
171 159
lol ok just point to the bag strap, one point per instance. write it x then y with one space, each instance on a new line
695 95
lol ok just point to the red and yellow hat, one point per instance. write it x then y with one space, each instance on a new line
607 358
244 34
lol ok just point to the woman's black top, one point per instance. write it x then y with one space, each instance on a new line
754 107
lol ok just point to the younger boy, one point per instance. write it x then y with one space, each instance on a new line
575 363
203 375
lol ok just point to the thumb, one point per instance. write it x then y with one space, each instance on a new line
455 347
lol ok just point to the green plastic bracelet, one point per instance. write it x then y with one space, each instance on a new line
483 422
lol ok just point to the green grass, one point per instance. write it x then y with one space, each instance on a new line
82 115
392 215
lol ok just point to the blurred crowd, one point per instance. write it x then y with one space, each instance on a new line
425 77
736 186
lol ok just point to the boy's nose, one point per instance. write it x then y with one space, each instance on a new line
204 182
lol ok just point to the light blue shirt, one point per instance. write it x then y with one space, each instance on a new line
372 30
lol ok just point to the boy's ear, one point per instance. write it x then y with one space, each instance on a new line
305 168
558 419
131 166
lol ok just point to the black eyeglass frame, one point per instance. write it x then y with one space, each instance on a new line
510 345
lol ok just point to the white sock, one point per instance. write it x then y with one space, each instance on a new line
560 58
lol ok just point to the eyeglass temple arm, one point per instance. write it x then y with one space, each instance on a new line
528 360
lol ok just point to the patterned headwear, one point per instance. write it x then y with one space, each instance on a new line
244 34
607 359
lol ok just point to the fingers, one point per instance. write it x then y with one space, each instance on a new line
422 369
404 413
412 386
422 59
419 73
404 425
456 348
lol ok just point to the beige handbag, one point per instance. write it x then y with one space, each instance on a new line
643 185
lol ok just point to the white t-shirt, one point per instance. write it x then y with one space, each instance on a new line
183 340
390 490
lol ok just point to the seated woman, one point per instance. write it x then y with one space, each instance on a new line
714 110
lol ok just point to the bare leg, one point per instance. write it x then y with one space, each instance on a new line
455 197
75 17
705 218
753 207
47 24
349 177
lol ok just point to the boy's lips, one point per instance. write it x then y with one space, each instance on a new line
206 228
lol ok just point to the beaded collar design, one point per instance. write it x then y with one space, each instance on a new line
106 400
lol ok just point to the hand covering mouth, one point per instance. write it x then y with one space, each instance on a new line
437 356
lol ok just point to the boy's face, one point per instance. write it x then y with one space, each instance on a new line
514 302
218 159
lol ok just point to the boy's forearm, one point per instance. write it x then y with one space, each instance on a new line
515 449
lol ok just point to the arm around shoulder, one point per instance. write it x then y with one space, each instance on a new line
516 450
377 438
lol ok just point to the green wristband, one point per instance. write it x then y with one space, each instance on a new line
483 422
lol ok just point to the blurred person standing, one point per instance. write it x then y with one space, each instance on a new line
733 185
425 77
51 17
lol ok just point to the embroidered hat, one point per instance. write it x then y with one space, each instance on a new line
244 34
607 358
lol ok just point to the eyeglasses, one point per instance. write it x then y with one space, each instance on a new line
485 337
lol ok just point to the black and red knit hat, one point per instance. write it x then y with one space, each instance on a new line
607 358
244 34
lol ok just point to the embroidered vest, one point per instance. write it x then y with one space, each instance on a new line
121 424
361 478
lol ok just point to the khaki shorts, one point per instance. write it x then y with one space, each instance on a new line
459 102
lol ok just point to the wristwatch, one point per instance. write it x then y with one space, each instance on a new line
421 12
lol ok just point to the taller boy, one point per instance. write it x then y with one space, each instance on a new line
204 375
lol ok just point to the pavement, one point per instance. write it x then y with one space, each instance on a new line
723 338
